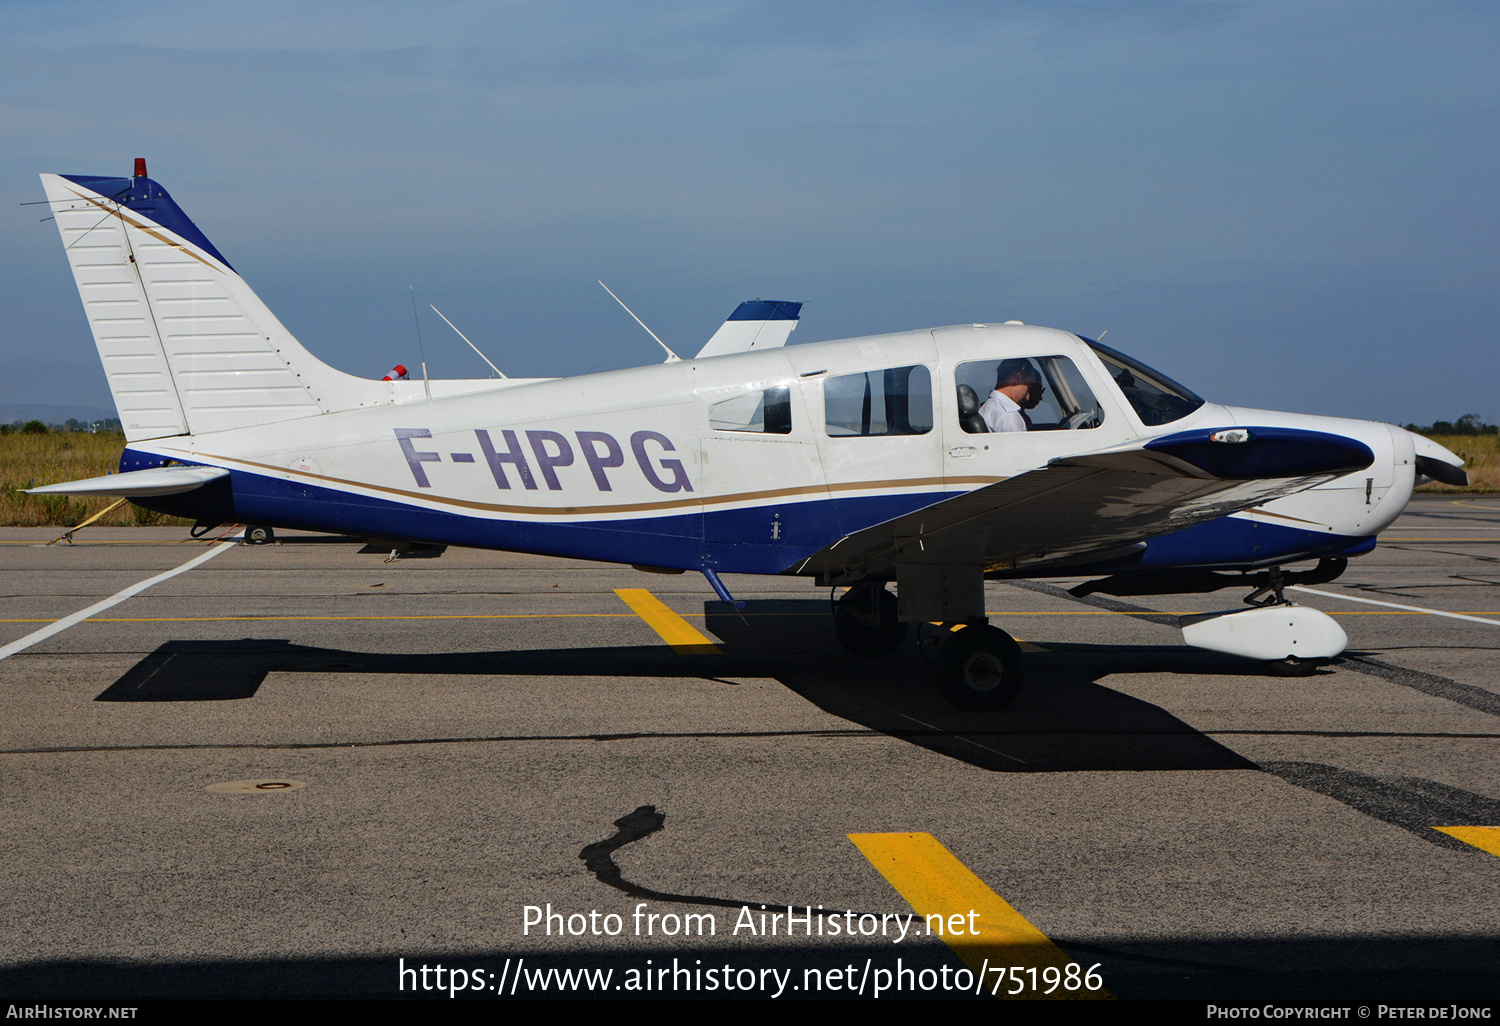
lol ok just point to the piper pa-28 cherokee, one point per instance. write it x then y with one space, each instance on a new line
856 463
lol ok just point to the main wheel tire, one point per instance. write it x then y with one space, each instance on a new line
256 535
980 667
1291 666
851 627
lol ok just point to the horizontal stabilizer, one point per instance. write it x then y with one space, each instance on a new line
138 483
755 324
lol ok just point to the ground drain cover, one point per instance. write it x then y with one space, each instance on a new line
255 786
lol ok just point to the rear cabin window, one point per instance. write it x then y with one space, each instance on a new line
768 412
895 401
1056 398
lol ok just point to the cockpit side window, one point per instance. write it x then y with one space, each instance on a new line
894 401
1036 393
1156 398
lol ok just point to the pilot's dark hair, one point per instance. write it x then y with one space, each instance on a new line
1016 372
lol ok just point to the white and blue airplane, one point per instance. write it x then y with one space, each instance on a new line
858 463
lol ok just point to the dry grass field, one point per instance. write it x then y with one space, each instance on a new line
1481 455
39 459
28 460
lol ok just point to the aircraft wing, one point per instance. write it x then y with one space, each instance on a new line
1100 504
138 483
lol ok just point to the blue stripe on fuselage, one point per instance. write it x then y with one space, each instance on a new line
765 539
759 540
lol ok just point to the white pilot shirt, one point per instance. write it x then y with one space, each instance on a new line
1002 413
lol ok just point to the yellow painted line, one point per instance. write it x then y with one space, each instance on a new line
674 630
1026 645
432 616
940 888
1485 838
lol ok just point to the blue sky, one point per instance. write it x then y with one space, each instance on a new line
1289 205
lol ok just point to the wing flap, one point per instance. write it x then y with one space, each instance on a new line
1096 502
138 483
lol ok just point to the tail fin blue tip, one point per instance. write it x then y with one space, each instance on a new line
150 200
766 310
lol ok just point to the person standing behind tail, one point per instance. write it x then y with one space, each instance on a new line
1017 386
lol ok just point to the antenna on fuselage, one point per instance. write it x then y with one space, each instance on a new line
472 346
671 356
426 384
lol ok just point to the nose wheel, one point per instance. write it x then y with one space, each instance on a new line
980 667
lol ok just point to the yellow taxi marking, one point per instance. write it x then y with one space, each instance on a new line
1485 838
674 630
942 890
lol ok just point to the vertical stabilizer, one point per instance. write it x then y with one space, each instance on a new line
187 347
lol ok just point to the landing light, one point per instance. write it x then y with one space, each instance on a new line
1231 436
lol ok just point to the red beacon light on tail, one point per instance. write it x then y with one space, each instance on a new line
140 167
398 373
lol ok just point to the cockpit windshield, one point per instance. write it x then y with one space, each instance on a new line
1157 399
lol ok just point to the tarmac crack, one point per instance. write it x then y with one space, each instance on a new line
1428 683
1410 803
643 822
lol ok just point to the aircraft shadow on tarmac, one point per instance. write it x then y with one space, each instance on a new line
1063 721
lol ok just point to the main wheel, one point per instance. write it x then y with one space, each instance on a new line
980 667
865 622
256 535
1291 666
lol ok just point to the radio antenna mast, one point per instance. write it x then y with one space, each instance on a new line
671 356
421 350
472 346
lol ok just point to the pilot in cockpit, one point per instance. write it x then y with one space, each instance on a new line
1018 387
